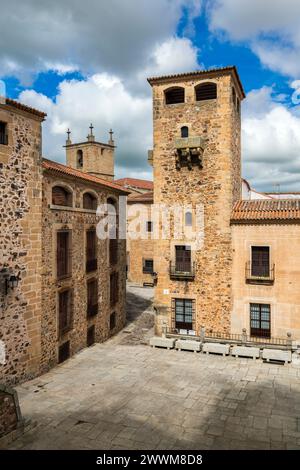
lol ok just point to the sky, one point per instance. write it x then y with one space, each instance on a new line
83 62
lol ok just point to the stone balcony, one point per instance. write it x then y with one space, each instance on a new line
189 151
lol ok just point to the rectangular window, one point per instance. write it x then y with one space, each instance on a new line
148 266
183 260
64 352
260 320
114 288
112 321
260 261
90 336
149 226
113 251
92 297
91 250
63 254
184 313
65 311
3 133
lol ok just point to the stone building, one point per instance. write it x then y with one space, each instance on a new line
61 287
135 185
234 264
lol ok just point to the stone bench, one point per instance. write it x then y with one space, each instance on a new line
188 345
160 342
245 351
216 348
277 355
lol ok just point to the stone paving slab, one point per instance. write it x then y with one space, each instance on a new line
125 395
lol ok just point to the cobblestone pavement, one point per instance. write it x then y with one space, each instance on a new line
124 395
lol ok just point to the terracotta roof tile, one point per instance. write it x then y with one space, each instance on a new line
66 170
274 210
24 107
143 184
140 198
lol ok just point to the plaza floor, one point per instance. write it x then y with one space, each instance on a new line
124 395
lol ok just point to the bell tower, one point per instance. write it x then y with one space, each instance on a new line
196 162
91 156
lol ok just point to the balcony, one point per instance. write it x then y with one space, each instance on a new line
259 275
182 271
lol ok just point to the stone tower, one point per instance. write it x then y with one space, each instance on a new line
92 157
197 163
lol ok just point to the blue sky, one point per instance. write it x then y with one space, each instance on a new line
82 64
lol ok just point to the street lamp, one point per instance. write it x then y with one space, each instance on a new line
11 283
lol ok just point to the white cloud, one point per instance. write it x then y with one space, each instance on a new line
270 142
113 36
103 100
270 27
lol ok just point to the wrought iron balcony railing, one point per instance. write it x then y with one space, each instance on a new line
185 271
260 274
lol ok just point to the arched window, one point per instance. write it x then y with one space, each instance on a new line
79 159
188 219
184 131
206 91
174 95
89 201
61 196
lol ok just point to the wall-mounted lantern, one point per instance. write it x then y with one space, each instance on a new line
11 282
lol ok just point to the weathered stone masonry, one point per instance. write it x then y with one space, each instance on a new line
20 242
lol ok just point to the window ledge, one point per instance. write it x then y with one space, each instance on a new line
71 209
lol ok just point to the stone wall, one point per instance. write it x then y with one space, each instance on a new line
20 244
216 186
283 294
78 220
139 249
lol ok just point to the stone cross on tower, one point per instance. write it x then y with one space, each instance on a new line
91 137
68 141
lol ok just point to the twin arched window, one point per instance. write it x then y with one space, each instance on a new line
61 196
204 91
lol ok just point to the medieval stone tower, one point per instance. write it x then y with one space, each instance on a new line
197 163
92 157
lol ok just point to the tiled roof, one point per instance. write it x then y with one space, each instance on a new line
23 107
143 184
230 68
66 170
275 210
140 198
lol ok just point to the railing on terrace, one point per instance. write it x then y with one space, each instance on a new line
241 339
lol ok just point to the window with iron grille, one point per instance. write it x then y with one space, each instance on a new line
260 320
91 250
184 312
112 321
174 95
183 260
3 133
65 311
61 196
148 266
89 201
63 254
90 336
64 352
92 297
113 251
114 288
206 91
260 261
